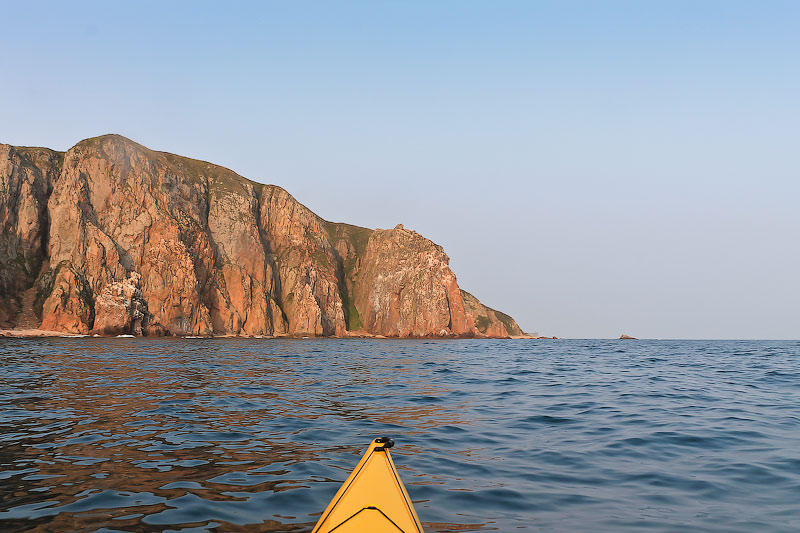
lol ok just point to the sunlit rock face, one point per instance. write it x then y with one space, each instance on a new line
120 309
406 288
114 238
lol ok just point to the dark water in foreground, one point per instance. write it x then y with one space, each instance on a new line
257 435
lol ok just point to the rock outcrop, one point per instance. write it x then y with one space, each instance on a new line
120 309
488 321
116 238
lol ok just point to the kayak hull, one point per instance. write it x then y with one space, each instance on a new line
372 498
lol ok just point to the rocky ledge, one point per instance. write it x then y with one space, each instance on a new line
114 238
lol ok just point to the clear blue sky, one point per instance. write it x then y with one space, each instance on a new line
591 168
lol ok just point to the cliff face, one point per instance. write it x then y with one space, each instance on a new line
112 238
26 178
405 287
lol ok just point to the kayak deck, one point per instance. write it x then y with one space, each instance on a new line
372 498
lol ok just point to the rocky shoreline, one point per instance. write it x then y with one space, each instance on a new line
33 333
113 238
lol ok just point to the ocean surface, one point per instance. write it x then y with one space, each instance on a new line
491 435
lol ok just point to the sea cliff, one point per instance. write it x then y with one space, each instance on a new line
113 238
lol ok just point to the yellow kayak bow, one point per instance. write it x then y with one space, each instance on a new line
372 499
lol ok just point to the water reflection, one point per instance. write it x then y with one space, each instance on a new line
212 434
257 435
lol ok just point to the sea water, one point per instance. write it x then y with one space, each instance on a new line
492 435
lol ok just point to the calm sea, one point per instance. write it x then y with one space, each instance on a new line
257 435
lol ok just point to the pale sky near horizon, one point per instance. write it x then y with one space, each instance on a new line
591 168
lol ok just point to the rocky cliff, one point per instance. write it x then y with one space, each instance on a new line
112 237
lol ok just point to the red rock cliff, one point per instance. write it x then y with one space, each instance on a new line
115 238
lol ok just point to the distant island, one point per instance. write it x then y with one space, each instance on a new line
113 238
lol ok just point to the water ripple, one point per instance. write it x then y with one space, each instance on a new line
256 435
